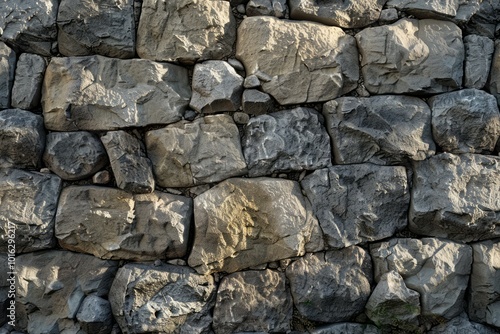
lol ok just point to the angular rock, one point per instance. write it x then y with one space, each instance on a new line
186 30
113 224
346 327
203 151
255 102
460 10
98 93
52 285
485 19
494 80
456 197
74 155
303 62
321 282
216 87
277 8
384 130
242 223
7 70
27 88
253 301
22 139
289 140
131 167
461 324
358 203
437 269
412 56
478 55
95 315
251 81
162 299
388 15
99 27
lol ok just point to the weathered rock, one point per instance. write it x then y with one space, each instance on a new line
162 299
185 30
7 70
388 15
412 56
253 301
236 64
255 102
74 155
288 140
131 167
478 54
358 203
241 118
456 197
95 315
52 286
437 269
216 87
485 19
303 62
203 151
22 139
494 81
465 121
27 88
321 282
276 8
346 328
101 177
113 224
251 81
385 130
345 14
460 10
461 324
98 93
241 223
96 27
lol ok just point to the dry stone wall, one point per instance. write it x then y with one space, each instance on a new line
249 166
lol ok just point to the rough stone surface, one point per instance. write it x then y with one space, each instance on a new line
7 70
113 224
162 299
437 269
251 81
131 167
462 325
388 15
478 55
456 197
278 8
412 56
216 87
346 328
460 10
321 282
203 151
384 130
27 88
241 223
74 155
303 62
256 102
95 315
494 81
98 93
253 301
485 19
185 30
358 203
288 140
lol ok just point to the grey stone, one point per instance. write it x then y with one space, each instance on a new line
461 325
251 81
22 139
388 15
358 203
288 140
101 177
465 121
7 70
346 328
241 8
276 8
162 299
253 301
333 286
385 130
494 80
131 167
185 30
456 197
118 93
74 155
303 62
236 64
485 19
256 102
95 315
113 224
460 10
203 151
242 223
478 55
437 269
216 87
241 118
412 56
27 88
190 115
96 27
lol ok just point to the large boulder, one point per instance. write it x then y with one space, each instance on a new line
27 88
458 10
7 70
478 55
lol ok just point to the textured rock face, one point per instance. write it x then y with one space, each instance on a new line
98 93
456 197
278 8
346 327
95 315
485 19
203 151
255 102
478 54
253 301
437 269
163 299
113 224
289 140
185 30
412 56
27 88
460 10
7 70
303 62
384 130
494 82
321 282
461 324
246 222
358 203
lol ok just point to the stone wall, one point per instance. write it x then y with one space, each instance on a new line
210 166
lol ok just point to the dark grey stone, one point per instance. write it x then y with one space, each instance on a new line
95 316
7 70
256 102
478 55
27 88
